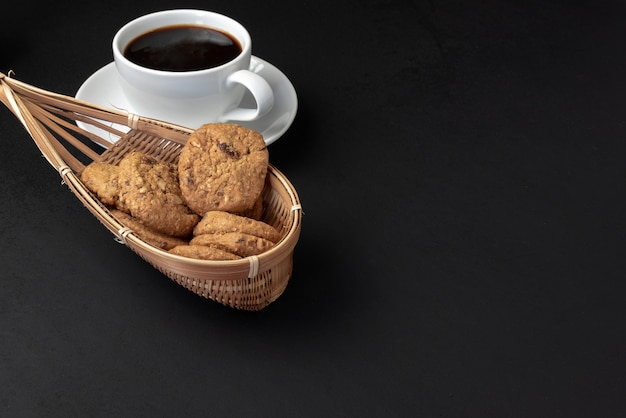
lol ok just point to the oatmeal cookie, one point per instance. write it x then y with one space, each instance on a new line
151 192
256 211
222 167
219 222
203 252
102 180
155 238
243 245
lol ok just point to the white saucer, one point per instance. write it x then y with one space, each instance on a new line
102 88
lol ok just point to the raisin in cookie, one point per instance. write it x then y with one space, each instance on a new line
151 192
222 167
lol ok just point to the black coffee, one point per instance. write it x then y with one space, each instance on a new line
182 48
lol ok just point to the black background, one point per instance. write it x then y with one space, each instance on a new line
461 169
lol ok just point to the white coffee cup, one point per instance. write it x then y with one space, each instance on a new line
191 98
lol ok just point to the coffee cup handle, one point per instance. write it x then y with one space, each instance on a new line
261 91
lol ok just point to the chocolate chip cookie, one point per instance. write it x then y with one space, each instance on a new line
151 192
243 245
222 167
203 252
219 222
152 237
256 211
102 179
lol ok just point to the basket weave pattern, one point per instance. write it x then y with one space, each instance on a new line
63 129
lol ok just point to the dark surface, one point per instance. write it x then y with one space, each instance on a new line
461 168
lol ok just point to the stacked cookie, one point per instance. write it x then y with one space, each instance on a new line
223 232
207 206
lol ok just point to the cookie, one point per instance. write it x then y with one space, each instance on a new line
219 222
152 237
151 192
102 179
222 167
243 245
202 252
256 211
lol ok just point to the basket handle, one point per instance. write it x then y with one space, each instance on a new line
40 135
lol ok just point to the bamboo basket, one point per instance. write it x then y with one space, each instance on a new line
63 130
